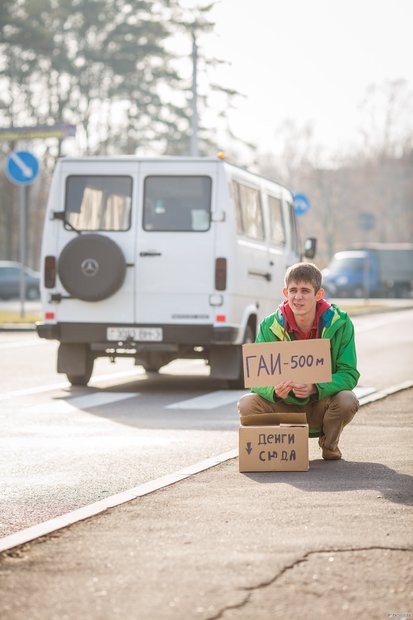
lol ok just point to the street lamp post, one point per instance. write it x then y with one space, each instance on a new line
194 115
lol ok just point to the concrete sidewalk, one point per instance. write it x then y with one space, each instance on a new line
333 542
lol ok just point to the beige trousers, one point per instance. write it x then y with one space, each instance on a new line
329 415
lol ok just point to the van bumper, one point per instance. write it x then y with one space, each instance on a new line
206 334
50 331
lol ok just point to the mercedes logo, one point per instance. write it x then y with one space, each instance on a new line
89 267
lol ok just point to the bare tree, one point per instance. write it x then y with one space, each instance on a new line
368 196
387 120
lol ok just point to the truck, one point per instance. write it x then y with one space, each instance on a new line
371 270
159 259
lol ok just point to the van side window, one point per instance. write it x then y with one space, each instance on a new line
98 202
177 203
237 203
250 221
295 242
277 226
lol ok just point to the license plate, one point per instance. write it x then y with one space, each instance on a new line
138 334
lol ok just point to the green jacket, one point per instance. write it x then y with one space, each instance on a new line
334 324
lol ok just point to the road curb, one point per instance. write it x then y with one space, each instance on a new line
371 398
17 327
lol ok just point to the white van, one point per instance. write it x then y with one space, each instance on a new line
159 259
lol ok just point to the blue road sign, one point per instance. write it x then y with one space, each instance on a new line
22 167
302 203
367 220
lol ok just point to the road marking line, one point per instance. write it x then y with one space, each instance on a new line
372 323
210 400
47 527
213 400
81 402
24 343
61 386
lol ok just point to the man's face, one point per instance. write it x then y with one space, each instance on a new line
302 298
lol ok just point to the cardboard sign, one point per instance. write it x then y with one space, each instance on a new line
281 447
303 361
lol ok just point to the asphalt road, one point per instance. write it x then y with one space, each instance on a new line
331 542
62 448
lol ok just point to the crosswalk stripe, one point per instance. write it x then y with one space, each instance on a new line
81 402
220 398
63 385
209 401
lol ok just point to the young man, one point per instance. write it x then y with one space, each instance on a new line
305 315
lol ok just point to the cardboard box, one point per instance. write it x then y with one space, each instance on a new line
280 444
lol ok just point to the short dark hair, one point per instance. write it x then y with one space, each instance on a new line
304 272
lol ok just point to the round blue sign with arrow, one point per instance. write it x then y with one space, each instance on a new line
22 167
302 203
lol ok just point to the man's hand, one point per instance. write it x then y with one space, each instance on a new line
300 390
303 390
282 389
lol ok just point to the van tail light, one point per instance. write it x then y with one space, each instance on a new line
50 271
221 274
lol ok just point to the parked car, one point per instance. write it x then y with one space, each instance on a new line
10 281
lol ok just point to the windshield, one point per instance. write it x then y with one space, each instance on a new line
340 264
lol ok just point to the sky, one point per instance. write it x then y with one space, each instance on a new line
310 61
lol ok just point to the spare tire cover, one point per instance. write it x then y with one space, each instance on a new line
91 267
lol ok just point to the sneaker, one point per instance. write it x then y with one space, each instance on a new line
331 455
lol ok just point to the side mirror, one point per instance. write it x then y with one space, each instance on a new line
310 247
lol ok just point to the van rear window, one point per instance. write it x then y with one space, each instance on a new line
177 203
98 202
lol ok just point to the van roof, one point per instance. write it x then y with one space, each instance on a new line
138 158
166 159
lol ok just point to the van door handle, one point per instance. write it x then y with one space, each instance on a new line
150 253
261 274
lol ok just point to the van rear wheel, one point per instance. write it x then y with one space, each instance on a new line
78 379
76 361
152 367
238 383
154 361
82 379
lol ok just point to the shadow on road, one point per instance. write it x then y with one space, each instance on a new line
340 476
154 394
